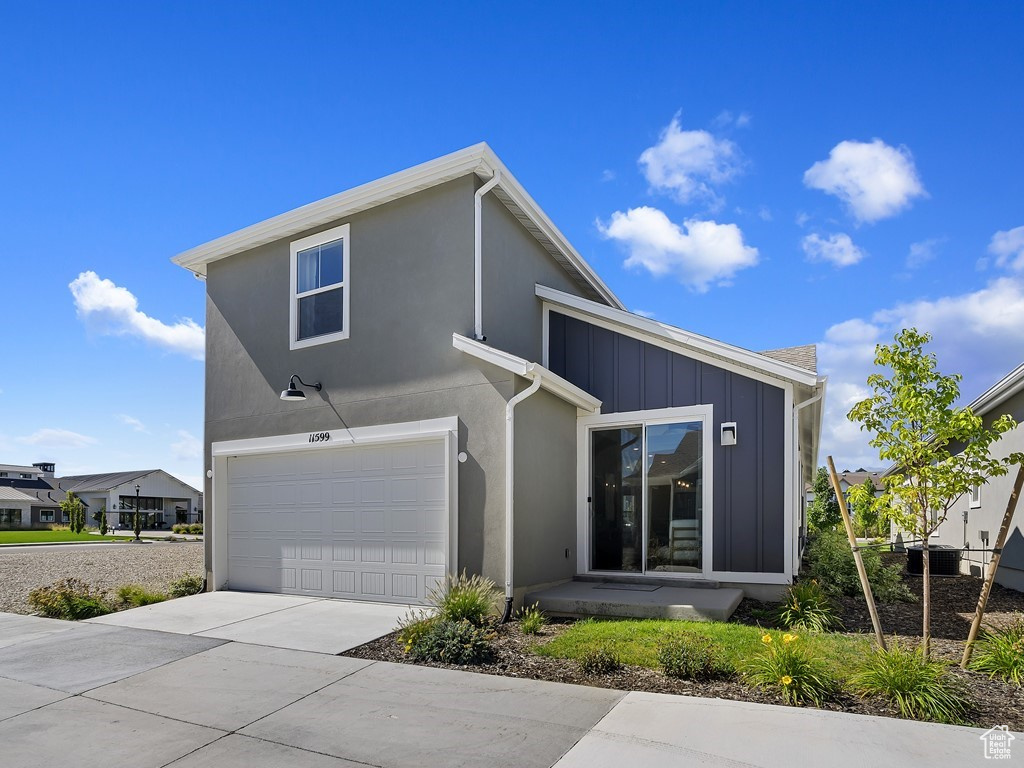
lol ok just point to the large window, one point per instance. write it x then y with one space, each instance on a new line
46 516
648 492
320 288
10 518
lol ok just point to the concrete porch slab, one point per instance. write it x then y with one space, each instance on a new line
203 612
236 751
586 598
323 626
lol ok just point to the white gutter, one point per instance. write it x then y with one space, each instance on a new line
510 443
478 248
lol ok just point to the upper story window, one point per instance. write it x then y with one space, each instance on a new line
320 288
975 496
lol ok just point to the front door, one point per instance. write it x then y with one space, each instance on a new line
647 497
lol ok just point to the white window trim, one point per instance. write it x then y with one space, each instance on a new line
46 516
585 425
327 236
975 497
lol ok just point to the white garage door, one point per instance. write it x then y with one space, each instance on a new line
360 522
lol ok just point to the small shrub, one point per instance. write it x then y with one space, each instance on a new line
69 599
189 584
470 598
599 661
830 562
135 595
531 619
412 627
1000 653
806 606
179 528
195 529
691 656
922 689
453 642
785 666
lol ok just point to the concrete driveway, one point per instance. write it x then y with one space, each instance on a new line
280 621
94 695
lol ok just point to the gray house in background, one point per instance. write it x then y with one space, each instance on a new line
462 391
974 522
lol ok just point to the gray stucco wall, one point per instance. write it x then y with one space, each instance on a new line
545 490
749 477
988 517
411 275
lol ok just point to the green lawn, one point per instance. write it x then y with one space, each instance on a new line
636 642
53 537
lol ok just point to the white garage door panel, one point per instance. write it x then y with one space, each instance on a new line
368 522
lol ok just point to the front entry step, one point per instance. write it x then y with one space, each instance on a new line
586 598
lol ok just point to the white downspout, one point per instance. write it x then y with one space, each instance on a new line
478 247
510 444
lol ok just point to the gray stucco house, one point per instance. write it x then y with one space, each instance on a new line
973 523
480 400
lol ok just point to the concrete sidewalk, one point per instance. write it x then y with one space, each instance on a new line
93 695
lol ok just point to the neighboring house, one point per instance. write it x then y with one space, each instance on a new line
164 498
35 482
848 480
974 521
480 400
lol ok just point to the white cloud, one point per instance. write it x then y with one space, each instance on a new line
801 219
699 254
837 249
57 438
1008 248
922 252
113 310
875 181
726 118
689 164
979 334
607 175
188 447
644 313
764 213
131 421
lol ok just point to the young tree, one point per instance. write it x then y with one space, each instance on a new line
101 520
865 514
939 451
823 512
75 510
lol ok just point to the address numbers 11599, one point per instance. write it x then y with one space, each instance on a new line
319 437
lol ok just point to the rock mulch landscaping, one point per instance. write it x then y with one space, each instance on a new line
154 565
996 703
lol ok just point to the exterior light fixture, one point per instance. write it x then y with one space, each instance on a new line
293 392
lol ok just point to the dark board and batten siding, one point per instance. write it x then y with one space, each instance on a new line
630 375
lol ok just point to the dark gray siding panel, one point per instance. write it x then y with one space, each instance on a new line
748 496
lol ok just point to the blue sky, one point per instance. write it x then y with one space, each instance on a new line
766 174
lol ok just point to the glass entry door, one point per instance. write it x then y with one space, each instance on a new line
647 498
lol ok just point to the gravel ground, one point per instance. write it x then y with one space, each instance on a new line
153 564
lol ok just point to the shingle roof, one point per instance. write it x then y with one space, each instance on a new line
103 482
805 356
13 494
19 468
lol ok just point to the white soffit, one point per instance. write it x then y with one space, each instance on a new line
677 337
552 382
478 159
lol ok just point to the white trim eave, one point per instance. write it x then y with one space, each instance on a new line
1000 392
479 159
680 337
552 382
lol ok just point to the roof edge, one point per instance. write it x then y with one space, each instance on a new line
679 336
